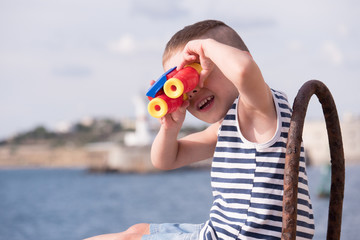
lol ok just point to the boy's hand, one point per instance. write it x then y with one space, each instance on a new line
194 52
175 119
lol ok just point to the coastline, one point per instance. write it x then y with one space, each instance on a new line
43 156
100 157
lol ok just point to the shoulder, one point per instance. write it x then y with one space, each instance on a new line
281 102
279 95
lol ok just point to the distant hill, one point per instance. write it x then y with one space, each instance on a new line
82 133
79 134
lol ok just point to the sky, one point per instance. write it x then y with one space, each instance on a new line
62 61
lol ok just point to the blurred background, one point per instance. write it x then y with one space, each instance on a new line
73 77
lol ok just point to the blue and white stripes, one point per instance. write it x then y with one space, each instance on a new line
247 183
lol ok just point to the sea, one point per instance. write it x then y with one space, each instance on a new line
57 204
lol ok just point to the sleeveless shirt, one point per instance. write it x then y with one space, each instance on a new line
247 182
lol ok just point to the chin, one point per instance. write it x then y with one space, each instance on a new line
208 117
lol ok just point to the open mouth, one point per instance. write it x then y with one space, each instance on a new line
206 103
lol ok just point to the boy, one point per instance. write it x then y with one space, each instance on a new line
247 138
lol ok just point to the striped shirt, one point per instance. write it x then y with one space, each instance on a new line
247 183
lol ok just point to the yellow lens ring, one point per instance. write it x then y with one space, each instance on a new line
196 66
173 88
157 107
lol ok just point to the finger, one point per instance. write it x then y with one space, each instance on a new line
184 106
187 59
178 116
164 119
203 76
202 79
152 82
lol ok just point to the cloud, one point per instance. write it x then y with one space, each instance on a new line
332 52
342 29
128 44
124 45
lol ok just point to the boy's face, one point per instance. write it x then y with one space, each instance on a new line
210 103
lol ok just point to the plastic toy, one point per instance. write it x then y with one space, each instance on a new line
169 91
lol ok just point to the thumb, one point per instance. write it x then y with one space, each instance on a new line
184 106
203 75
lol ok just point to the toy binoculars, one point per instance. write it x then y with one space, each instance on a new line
169 91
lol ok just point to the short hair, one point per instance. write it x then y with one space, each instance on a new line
208 28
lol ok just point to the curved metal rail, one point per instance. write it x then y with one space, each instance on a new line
291 171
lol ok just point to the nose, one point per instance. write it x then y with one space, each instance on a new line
192 93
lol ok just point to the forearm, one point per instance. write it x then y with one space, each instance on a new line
168 152
164 149
236 65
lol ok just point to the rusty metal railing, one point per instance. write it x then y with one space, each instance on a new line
291 172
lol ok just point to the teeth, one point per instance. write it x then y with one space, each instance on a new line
204 102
